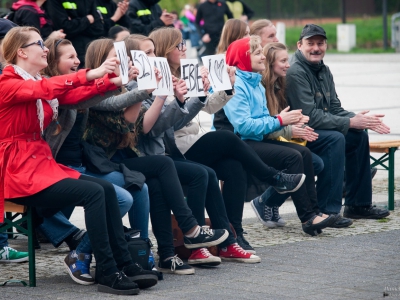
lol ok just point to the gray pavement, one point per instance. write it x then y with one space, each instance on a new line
360 262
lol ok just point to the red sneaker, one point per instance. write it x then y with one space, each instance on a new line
202 257
236 253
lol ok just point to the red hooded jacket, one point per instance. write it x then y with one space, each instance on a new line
238 54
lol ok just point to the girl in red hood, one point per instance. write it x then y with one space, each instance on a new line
248 113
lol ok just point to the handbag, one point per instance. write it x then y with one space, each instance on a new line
300 142
139 248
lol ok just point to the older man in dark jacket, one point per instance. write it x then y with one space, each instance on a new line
342 138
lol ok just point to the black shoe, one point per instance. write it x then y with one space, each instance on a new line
75 240
365 212
288 183
341 222
206 238
244 244
313 229
117 284
143 278
174 265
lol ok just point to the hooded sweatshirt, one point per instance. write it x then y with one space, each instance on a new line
247 110
28 13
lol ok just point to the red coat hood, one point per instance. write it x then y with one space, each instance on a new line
238 54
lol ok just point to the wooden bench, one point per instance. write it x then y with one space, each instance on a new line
15 215
388 148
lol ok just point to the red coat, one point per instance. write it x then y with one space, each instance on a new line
26 163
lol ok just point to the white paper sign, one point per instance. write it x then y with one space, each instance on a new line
122 55
146 78
218 75
190 72
165 86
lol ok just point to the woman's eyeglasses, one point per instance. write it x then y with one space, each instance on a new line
39 42
180 45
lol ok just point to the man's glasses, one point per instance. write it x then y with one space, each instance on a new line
180 45
39 42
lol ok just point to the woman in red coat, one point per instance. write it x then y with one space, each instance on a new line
30 176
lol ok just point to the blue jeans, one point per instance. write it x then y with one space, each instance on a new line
58 227
272 198
336 150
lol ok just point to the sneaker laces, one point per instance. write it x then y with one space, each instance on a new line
275 213
239 249
9 249
268 213
176 261
205 252
206 229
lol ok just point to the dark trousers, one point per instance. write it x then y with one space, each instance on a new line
165 194
203 192
102 216
295 159
228 155
338 151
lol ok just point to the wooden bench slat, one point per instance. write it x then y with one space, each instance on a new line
12 207
384 146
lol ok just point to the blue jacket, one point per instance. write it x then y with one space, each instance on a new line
247 110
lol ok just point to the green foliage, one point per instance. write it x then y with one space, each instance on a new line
176 5
369 34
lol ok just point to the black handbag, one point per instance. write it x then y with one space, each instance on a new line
139 248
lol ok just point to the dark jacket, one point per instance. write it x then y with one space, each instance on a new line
107 9
144 16
26 15
71 16
213 16
310 87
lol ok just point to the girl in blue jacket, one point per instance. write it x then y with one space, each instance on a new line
248 113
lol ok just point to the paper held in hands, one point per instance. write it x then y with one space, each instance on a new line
165 86
190 72
146 79
122 55
218 75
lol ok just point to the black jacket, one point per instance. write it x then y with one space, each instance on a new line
144 16
107 9
213 16
26 15
75 24
310 87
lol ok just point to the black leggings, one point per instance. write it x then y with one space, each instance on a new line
102 216
203 192
228 155
295 159
165 194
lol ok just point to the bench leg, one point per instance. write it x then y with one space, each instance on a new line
391 178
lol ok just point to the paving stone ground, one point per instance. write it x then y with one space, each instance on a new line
360 262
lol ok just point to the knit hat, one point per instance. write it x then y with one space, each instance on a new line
5 26
238 54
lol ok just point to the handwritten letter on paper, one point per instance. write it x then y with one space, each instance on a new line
146 78
165 86
218 76
122 55
190 72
